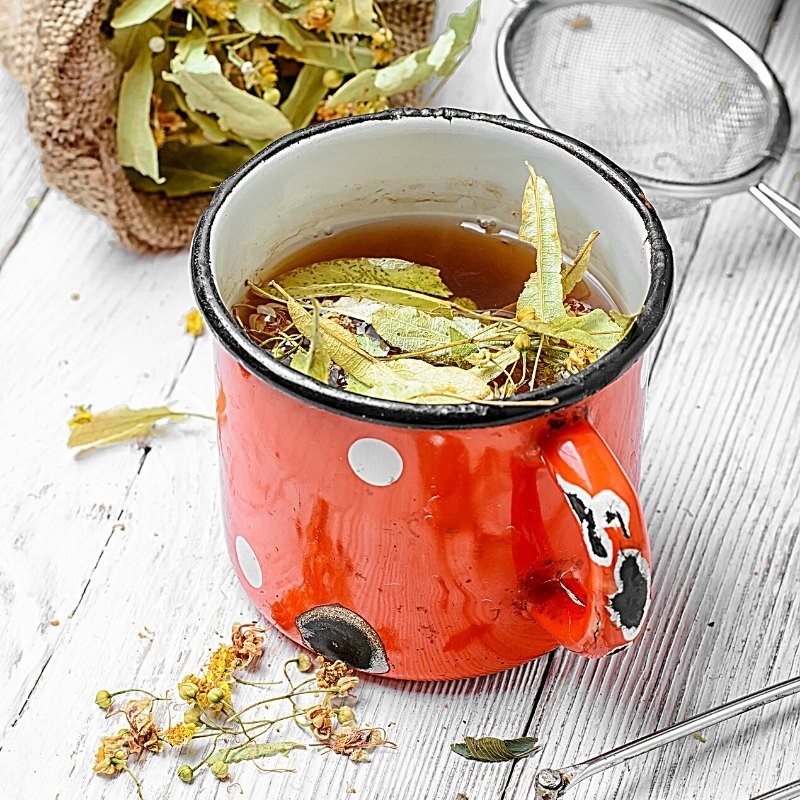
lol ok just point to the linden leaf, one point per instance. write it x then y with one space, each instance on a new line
595 329
315 361
386 280
261 17
200 77
542 291
135 12
356 308
372 344
136 145
328 55
572 274
414 69
354 16
250 752
414 331
306 94
193 170
378 271
497 365
625 321
121 424
490 749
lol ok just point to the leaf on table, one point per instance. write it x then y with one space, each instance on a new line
251 752
91 430
414 69
135 12
306 94
354 16
490 749
136 145
342 272
261 17
200 77
542 291
572 274
193 170
329 55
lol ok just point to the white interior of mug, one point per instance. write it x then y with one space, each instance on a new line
333 178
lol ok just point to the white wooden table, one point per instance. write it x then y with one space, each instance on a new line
125 551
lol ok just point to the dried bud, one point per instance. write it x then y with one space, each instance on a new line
344 715
185 773
187 691
103 698
272 96
332 78
220 770
157 44
522 342
304 663
216 696
192 715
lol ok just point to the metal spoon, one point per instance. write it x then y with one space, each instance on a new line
553 783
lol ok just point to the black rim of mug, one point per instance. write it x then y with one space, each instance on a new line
566 393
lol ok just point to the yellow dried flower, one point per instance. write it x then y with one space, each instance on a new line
221 665
143 733
579 357
195 325
82 416
180 733
216 697
351 109
321 719
266 72
218 10
382 46
189 687
318 16
193 716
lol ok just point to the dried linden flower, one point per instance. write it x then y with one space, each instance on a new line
103 699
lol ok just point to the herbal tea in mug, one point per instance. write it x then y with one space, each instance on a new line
429 416
436 309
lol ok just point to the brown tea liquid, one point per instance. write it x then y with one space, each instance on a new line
485 266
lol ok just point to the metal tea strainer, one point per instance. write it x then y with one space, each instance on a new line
670 94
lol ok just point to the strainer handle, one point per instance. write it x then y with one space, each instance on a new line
778 205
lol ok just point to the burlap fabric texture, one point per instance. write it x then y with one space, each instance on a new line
55 48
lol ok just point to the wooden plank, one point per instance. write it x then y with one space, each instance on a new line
21 187
118 341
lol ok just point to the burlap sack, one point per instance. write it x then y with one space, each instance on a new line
56 50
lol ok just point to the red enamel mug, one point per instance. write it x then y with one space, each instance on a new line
433 542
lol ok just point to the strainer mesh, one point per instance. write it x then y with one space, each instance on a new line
661 96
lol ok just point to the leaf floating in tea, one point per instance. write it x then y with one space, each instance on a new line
91 430
494 365
573 273
415 331
315 361
542 292
492 750
317 279
624 321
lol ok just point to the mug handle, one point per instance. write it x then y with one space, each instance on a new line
595 598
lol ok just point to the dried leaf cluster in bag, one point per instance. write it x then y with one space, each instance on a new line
60 53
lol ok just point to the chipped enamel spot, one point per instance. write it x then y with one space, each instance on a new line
595 513
374 461
628 607
337 632
248 562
